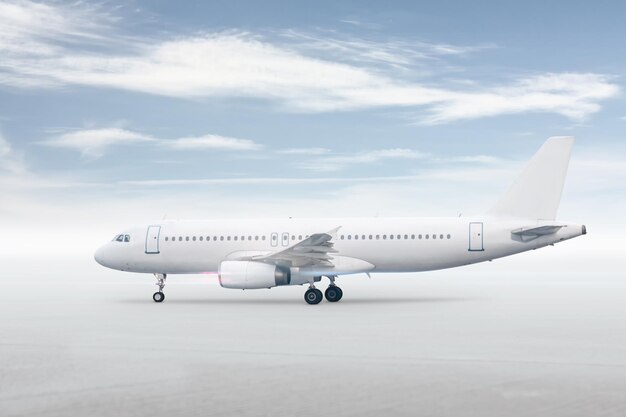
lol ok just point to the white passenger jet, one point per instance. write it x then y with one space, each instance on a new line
251 254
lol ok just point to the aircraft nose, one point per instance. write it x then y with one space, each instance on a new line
99 255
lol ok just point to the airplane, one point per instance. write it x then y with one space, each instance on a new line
267 253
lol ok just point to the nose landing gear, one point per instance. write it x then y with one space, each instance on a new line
159 296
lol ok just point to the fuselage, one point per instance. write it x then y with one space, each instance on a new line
362 244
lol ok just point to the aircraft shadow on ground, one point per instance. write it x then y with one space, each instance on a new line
299 301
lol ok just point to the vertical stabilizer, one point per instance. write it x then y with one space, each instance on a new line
536 193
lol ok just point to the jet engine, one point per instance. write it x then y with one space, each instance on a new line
246 275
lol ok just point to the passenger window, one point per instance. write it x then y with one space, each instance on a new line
434 236
356 237
263 237
187 238
293 237
377 237
349 237
236 237
201 238
419 237
180 238
221 238
390 236
228 238
193 238
341 237
426 236
370 237
214 238
299 237
166 238
413 237
448 236
406 236
384 237
255 237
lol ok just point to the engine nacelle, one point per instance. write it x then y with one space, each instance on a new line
246 275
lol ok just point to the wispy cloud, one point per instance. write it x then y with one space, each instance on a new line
305 151
396 53
93 143
216 142
297 72
340 161
10 161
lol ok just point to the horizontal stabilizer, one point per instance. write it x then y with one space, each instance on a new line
529 233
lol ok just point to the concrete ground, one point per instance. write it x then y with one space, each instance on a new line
490 340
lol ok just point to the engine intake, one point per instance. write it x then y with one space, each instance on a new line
252 275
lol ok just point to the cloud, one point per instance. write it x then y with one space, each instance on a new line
573 95
10 161
296 72
94 142
212 142
395 53
341 161
305 151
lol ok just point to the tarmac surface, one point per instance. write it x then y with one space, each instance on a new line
487 340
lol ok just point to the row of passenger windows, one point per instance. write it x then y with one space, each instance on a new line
300 237
214 238
397 237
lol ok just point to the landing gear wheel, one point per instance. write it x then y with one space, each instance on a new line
313 296
158 297
333 293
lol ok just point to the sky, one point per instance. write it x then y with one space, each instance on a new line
116 113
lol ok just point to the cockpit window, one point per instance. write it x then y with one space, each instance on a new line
122 238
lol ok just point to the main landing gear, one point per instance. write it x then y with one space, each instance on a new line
159 296
314 296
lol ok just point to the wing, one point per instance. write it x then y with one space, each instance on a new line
315 250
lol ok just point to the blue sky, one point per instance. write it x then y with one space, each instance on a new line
112 113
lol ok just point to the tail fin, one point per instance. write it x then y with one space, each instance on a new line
536 193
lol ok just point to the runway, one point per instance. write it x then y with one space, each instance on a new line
77 339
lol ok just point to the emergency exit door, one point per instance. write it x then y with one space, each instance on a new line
476 236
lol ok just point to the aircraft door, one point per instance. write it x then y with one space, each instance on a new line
152 239
476 236
274 239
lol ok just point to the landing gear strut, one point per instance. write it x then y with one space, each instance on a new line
333 293
159 296
314 296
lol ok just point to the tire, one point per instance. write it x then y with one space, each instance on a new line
333 293
158 297
313 296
